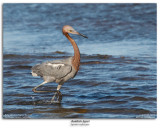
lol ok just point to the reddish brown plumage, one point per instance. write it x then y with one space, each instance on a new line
76 57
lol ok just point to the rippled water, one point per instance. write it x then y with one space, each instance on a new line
117 77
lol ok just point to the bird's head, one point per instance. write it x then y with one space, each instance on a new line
68 29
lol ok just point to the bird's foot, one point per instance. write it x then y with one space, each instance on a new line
35 91
57 97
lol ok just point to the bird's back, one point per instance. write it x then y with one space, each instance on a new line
57 69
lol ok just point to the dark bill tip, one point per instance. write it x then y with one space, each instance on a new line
82 35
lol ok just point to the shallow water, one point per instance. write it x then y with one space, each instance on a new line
117 77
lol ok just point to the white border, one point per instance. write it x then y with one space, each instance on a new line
110 123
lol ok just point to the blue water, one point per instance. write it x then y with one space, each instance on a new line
117 77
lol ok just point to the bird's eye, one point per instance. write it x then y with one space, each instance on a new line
71 30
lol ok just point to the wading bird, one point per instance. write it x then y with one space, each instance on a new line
59 71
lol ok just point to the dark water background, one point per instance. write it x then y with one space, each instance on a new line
117 77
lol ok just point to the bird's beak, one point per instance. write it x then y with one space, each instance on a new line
82 35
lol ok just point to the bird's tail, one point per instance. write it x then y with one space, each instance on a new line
34 74
36 70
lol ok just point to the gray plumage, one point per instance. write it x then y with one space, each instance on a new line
57 71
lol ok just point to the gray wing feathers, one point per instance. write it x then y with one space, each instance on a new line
52 69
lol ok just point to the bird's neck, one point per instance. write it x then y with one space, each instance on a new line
76 57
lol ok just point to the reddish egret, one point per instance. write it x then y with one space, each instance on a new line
59 71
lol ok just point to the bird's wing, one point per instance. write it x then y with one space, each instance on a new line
56 70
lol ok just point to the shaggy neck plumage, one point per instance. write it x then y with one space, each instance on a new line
76 57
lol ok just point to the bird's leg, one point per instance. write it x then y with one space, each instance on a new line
34 89
59 87
57 96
